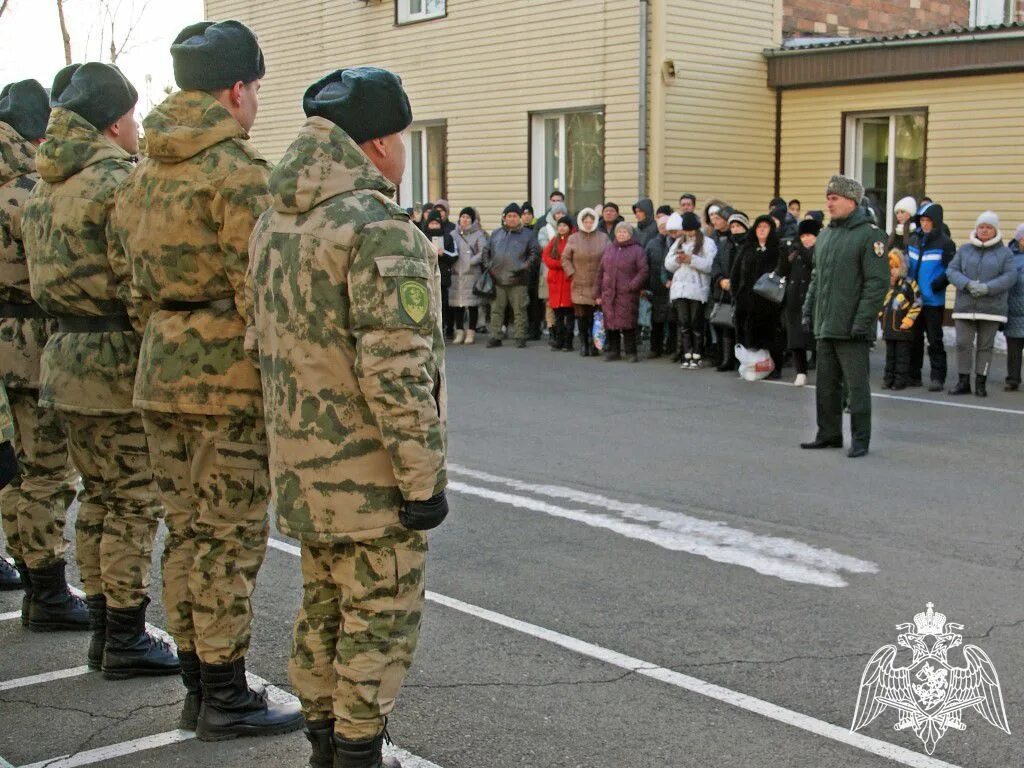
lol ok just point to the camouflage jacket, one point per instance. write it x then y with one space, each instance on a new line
6 417
348 312
184 218
64 226
21 341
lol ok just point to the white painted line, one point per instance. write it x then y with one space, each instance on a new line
910 399
5 764
10 616
783 558
114 751
46 677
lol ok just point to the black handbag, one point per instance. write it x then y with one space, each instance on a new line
484 286
723 315
771 287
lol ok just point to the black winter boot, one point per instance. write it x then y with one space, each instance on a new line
97 605
193 689
9 577
26 584
963 385
230 709
980 385
363 754
131 651
321 737
53 607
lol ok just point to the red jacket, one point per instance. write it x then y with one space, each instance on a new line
559 284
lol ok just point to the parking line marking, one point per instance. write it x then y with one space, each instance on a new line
909 399
686 682
46 677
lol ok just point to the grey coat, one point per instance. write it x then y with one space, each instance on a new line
471 245
990 263
510 254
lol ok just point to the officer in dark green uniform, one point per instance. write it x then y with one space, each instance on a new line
848 286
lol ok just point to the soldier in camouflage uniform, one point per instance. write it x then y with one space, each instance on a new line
348 320
88 366
9 577
34 505
184 218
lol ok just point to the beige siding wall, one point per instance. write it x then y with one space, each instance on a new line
484 68
718 114
975 156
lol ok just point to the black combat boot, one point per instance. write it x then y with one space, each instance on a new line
97 605
26 584
9 577
131 651
321 737
230 709
363 754
53 607
193 689
980 385
963 385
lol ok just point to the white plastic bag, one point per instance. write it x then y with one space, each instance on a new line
755 364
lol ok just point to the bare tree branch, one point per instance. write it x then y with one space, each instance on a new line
3 7
112 12
64 32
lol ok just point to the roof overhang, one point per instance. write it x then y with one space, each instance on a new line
911 58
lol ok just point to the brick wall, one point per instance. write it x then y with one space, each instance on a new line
855 18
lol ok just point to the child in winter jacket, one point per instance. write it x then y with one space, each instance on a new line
689 261
902 306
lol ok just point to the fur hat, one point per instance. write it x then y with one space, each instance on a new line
365 102
809 227
907 205
97 92
587 212
26 108
211 55
988 217
844 186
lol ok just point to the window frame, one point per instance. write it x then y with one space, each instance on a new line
404 18
405 187
535 149
974 7
848 150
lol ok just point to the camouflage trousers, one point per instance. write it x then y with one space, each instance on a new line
118 512
357 629
34 506
211 472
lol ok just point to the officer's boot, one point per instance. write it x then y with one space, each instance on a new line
963 385
980 388
230 709
9 577
97 605
193 689
363 754
26 584
321 737
53 607
131 651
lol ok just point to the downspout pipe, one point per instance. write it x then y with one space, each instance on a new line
644 77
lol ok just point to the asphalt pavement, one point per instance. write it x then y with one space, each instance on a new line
641 569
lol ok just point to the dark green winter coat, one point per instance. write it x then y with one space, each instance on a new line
850 278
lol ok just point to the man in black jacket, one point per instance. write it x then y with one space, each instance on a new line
510 254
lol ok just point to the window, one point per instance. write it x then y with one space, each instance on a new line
425 178
985 13
567 154
886 153
408 11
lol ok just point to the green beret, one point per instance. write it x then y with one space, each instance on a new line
212 55
26 108
97 92
365 102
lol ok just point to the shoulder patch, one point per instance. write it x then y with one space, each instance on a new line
879 248
415 299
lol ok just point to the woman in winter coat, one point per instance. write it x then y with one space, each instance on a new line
757 319
546 232
446 256
982 271
580 261
721 288
470 241
621 277
1015 315
689 262
796 268
559 287
905 211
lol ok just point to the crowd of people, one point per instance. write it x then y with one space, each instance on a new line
685 283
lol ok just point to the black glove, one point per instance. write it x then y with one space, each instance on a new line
8 464
424 515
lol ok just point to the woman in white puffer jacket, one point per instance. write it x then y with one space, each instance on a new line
689 262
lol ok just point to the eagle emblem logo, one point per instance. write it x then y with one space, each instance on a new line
929 695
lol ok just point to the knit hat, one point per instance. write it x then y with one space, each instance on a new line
365 102
526 207
846 187
512 208
96 91
690 222
714 209
988 217
611 205
567 221
674 223
818 216
739 217
809 227
468 212
434 216
212 55
25 107
726 211
907 205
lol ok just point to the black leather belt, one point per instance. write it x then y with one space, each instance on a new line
96 324
219 305
23 311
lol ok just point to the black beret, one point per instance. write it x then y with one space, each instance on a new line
512 208
212 55
365 102
809 226
691 222
468 212
97 92
25 107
